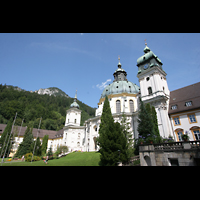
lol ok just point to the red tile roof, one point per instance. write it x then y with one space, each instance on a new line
181 96
41 134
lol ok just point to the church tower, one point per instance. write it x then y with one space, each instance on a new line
154 88
73 117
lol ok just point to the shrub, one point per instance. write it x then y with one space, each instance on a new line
36 158
28 157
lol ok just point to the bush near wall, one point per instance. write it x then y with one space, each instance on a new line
28 157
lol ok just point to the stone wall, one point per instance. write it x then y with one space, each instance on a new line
170 154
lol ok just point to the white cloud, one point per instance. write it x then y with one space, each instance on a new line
81 33
103 84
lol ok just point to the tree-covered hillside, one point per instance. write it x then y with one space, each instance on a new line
32 106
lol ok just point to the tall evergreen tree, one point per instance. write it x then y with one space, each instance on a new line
125 125
155 123
38 147
148 125
6 139
112 142
50 153
44 144
27 144
145 124
155 120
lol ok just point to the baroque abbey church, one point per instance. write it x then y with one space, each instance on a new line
177 111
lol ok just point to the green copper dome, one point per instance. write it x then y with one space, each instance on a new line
120 87
146 49
148 54
75 104
120 84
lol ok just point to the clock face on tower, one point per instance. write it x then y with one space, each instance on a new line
146 66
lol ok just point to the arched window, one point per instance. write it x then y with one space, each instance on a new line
75 121
78 144
118 106
195 132
150 90
179 132
131 104
95 127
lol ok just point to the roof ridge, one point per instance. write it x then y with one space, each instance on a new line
186 86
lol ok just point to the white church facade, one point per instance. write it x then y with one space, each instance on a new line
176 112
123 97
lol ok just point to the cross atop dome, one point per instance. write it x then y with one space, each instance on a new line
75 95
146 49
145 42
119 64
75 104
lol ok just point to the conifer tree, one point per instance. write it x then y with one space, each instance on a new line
38 147
145 124
151 110
44 144
112 142
6 139
50 153
125 125
27 143
155 123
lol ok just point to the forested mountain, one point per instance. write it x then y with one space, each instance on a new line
30 106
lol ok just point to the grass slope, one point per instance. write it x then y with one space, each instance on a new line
72 159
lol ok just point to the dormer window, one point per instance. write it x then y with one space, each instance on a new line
174 107
189 103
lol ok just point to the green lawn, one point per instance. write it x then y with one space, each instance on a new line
72 159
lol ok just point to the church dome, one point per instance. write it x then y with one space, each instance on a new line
146 49
120 84
119 87
75 104
148 54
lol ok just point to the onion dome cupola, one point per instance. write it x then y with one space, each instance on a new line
120 74
75 104
148 60
120 84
